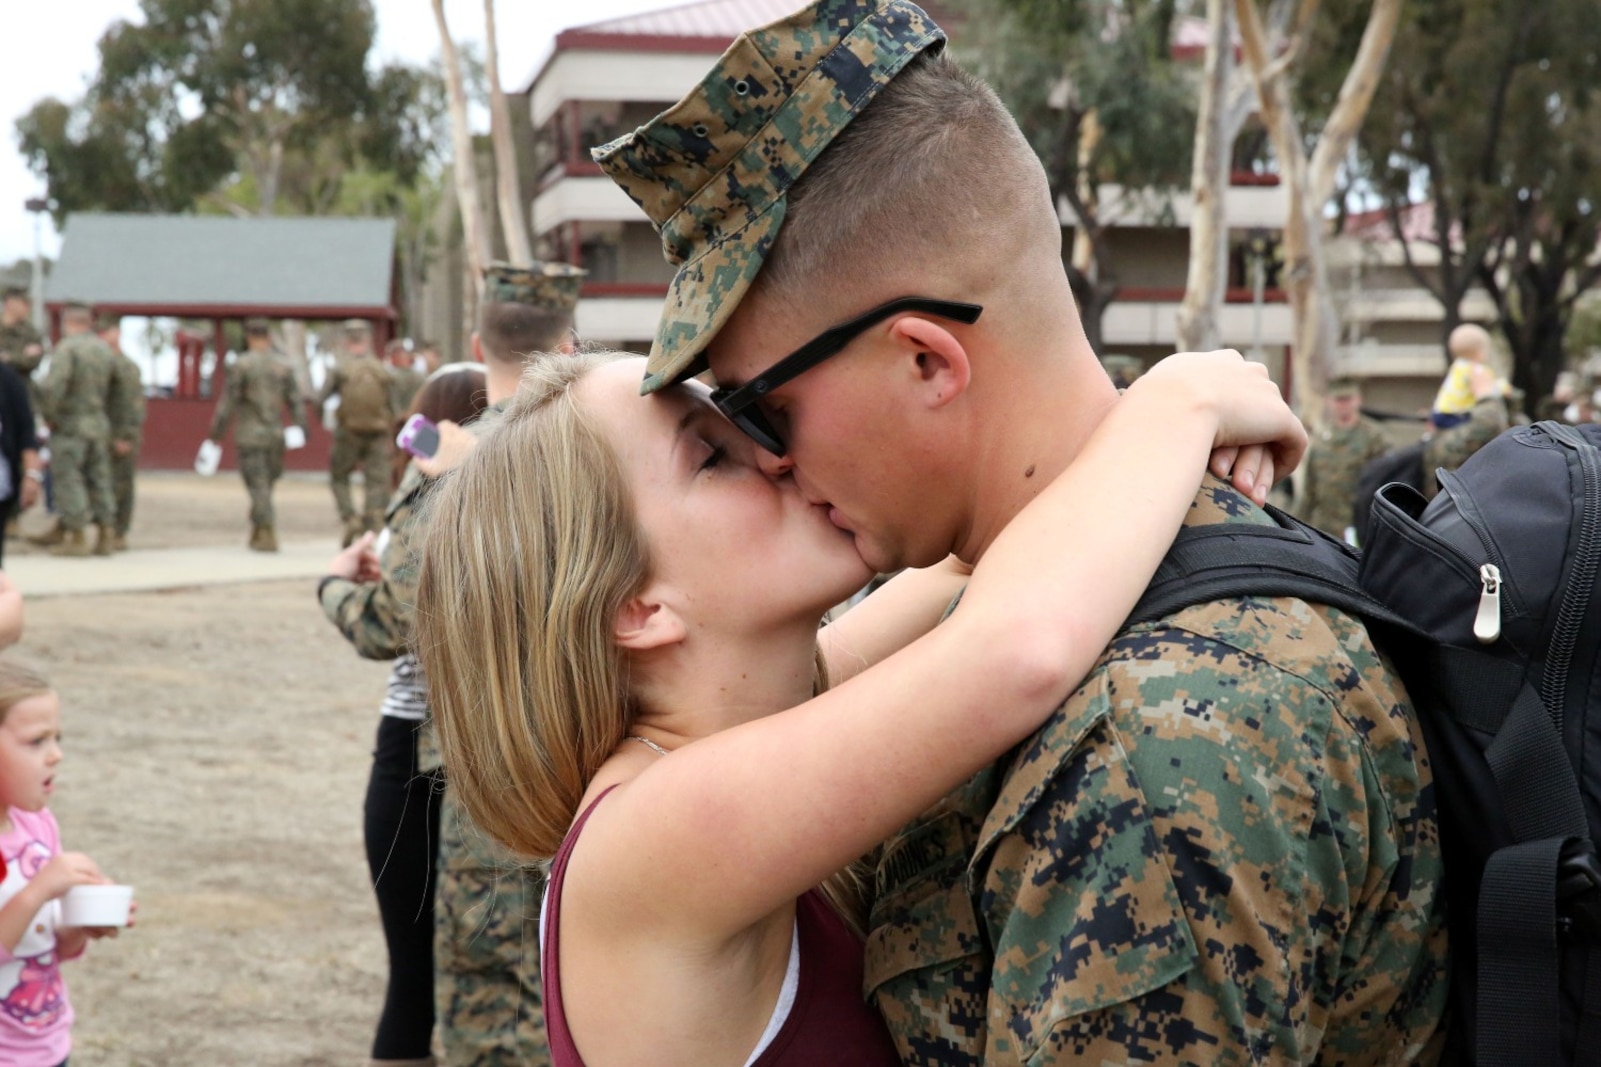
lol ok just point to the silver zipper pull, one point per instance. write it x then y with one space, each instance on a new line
1487 623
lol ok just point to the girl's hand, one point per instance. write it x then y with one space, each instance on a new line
65 871
1257 436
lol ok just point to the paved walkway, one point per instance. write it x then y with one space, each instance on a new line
144 570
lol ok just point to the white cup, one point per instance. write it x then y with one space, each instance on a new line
294 437
208 458
96 905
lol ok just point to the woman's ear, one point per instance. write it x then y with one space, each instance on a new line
645 623
941 363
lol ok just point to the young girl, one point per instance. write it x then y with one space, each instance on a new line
35 1016
609 693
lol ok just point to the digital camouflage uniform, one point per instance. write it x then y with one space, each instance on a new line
15 342
259 389
1219 849
75 396
1449 449
1333 466
365 446
127 410
1222 847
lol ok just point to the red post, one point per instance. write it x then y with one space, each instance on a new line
219 345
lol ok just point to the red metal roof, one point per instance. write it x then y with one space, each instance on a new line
720 19
705 26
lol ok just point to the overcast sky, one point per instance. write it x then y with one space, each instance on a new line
48 49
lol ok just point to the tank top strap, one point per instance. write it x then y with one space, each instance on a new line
563 1051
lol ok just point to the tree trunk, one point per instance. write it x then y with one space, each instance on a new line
1199 328
474 244
1308 184
513 222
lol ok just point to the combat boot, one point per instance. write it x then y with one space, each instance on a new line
71 543
121 543
105 540
263 539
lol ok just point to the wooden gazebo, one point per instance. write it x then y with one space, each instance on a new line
223 269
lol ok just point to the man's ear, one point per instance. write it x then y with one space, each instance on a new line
478 348
942 366
645 623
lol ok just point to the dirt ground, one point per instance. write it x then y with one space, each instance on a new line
217 744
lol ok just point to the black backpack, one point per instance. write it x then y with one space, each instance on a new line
1487 601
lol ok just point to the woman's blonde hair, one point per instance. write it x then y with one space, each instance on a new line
19 682
529 552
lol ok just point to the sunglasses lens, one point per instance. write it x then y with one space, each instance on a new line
755 426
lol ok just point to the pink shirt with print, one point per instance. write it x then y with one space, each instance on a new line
35 1015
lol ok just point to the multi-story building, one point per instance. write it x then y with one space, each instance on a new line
607 78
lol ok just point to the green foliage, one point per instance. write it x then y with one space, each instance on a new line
246 106
1489 109
1116 57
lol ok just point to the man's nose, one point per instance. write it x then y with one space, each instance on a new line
773 466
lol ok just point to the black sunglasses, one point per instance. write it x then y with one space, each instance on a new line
739 405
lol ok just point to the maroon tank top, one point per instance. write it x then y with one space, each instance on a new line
828 1023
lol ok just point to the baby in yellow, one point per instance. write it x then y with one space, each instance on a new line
1464 382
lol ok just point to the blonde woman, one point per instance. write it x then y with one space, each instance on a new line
610 694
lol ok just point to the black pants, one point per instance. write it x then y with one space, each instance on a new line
402 833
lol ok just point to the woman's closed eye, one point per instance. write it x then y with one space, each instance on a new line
717 455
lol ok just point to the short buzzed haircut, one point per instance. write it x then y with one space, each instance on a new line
511 332
947 143
78 315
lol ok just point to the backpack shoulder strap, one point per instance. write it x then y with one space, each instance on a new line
1287 559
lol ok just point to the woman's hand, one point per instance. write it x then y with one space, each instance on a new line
358 562
1258 438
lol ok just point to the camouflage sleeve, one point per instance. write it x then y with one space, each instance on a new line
292 401
225 404
22 360
1220 849
53 390
127 413
376 617
1196 861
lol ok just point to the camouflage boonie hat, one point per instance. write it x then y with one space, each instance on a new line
547 285
1344 387
357 327
713 171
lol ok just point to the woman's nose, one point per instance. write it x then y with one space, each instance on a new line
771 465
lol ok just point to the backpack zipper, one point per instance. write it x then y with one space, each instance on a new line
1576 597
1487 622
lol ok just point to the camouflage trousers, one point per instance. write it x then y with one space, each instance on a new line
81 470
370 452
486 951
260 468
122 473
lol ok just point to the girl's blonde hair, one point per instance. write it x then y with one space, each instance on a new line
529 552
19 682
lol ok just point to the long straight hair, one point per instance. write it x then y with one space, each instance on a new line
530 549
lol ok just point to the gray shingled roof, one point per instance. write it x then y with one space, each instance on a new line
185 264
